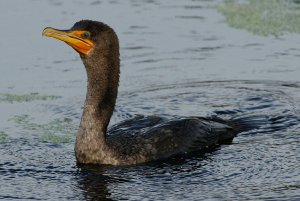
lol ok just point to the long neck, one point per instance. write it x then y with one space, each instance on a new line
103 77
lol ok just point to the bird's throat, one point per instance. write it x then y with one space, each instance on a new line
102 76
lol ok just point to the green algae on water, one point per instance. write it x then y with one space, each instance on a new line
263 17
57 131
11 98
55 139
3 136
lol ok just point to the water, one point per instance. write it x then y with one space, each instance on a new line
178 58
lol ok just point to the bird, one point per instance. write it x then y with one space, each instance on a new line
139 139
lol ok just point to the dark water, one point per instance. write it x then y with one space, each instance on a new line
178 58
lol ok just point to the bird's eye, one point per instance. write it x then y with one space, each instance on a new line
86 35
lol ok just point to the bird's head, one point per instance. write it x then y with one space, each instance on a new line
87 37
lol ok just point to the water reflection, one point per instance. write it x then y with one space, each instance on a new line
93 183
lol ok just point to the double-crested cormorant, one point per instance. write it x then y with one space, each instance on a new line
137 140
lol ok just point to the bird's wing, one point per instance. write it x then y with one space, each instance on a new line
187 135
134 125
156 138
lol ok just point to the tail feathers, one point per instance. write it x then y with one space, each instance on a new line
262 123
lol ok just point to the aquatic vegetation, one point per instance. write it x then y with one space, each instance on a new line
263 17
57 131
7 97
3 136
55 139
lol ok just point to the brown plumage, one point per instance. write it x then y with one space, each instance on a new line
136 140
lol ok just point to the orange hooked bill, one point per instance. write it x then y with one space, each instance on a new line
73 38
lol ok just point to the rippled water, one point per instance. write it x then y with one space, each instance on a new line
178 58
